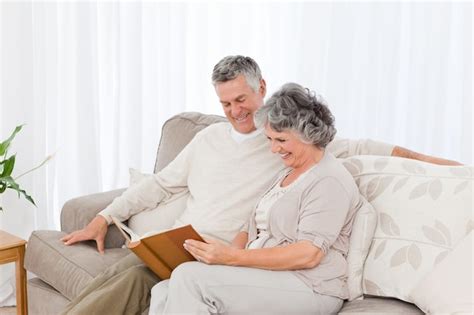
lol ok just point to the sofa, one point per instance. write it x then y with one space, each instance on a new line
419 217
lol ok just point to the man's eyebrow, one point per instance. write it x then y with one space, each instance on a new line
236 98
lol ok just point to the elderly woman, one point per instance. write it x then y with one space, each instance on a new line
291 257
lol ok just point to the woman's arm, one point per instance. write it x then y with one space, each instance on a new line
240 240
300 255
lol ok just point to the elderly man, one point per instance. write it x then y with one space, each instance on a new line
225 168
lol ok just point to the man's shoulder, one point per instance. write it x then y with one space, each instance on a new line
214 129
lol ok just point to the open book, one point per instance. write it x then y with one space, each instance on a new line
160 251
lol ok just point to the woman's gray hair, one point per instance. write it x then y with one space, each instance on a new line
231 66
296 108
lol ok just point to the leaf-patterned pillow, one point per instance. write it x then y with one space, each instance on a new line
423 211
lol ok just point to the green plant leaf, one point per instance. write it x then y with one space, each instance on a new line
8 165
5 144
3 186
11 184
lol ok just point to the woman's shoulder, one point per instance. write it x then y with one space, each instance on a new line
331 172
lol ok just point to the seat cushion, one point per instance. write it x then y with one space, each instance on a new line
377 306
38 293
68 269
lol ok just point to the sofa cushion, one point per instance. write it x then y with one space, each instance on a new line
38 293
178 131
378 306
69 268
455 271
362 233
423 211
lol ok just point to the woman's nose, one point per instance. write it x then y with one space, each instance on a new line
275 147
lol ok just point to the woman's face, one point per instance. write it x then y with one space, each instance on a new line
294 152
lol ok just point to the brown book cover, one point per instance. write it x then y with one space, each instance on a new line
160 251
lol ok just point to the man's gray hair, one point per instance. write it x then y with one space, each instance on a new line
296 108
231 66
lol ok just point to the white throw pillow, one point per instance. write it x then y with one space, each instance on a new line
362 233
447 289
160 218
423 211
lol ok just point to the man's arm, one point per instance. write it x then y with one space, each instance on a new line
405 153
146 194
342 148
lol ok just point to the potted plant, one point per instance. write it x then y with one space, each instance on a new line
7 163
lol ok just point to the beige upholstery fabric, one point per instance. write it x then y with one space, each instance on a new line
177 132
44 299
78 212
70 267
378 306
363 230
423 211
454 272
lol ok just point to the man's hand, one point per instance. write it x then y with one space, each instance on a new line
95 230
212 253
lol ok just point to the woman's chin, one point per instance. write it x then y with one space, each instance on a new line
287 163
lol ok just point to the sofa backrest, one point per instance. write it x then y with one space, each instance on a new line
177 132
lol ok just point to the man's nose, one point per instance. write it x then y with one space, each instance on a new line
236 109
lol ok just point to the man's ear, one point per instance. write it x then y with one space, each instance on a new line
263 88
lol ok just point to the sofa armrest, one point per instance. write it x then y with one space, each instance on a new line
78 212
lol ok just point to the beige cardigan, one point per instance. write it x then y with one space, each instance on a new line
319 208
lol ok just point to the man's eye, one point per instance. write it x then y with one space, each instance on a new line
241 100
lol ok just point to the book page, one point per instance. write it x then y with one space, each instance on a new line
151 233
132 236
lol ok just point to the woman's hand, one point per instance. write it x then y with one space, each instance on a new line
213 252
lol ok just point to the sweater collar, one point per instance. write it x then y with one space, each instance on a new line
241 137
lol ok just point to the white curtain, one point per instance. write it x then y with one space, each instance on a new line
94 81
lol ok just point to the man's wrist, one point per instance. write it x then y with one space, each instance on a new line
107 218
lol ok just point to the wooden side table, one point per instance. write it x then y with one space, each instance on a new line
12 249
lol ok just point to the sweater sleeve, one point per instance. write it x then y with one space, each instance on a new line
324 210
342 148
150 191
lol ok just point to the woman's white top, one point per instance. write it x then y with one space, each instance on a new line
262 212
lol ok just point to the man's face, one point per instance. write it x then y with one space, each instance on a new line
240 102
